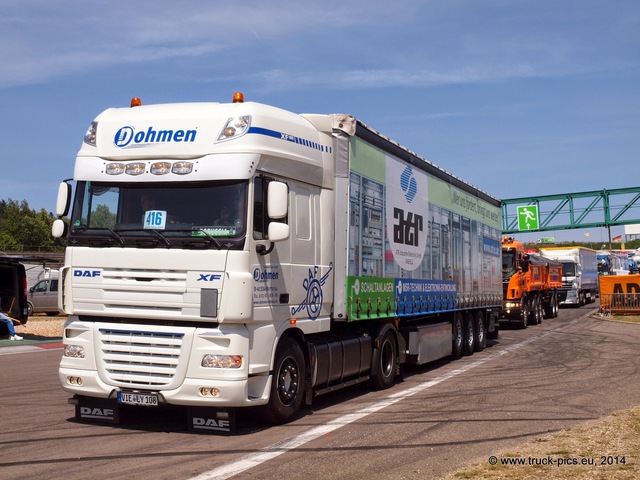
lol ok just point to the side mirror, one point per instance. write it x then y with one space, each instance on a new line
278 231
63 201
59 229
277 200
277 209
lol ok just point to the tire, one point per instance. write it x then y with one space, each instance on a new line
457 335
287 385
556 305
551 309
524 311
385 363
29 308
480 332
468 345
537 311
495 334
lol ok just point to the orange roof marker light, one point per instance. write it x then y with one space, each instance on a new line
136 102
238 97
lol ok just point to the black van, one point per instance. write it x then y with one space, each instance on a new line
13 290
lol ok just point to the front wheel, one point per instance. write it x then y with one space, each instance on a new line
29 308
288 383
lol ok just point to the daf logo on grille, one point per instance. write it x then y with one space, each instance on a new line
86 273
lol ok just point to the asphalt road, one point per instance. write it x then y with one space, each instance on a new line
528 383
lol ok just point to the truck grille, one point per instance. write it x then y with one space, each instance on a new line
160 294
140 359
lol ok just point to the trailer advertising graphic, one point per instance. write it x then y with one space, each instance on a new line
409 235
407 209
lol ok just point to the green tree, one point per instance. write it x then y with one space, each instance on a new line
102 217
22 228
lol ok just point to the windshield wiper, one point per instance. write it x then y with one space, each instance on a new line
212 240
163 239
117 236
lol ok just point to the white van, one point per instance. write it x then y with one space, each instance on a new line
43 296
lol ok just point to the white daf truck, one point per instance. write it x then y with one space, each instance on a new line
227 255
579 274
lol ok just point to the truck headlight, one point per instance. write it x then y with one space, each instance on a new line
222 361
74 351
235 127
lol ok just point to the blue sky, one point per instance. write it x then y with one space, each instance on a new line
520 98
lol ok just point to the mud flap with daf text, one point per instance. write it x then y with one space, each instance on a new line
101 410
211 420
204 420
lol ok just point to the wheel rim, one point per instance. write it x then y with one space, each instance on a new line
386 358
288 381
459 333
470 336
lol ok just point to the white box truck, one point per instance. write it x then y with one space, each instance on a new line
579 274
227 255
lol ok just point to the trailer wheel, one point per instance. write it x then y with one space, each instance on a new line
469 335
287 385
495 334
457 335
556 305
386 362
480 341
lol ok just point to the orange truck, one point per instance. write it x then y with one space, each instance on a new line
530 284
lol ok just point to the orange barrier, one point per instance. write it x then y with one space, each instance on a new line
620 294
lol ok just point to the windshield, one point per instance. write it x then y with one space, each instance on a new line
165 215
568 269
508 263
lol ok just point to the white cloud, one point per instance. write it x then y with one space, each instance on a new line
339 44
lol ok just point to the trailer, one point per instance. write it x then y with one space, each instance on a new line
230 255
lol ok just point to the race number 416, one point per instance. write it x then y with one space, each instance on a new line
155 219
